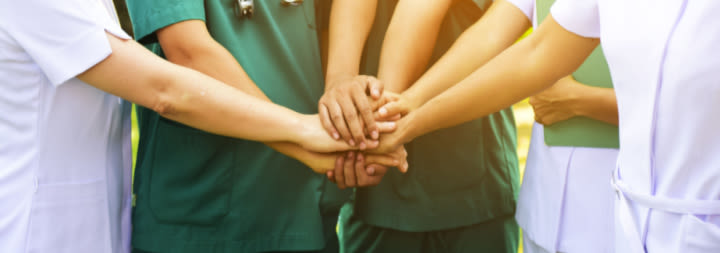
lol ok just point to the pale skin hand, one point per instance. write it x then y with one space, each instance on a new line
345 109
189 44
192 98
350 24
524 69
568 98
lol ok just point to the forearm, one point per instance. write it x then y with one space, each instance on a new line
498 29
350 24
520 71
190 97
409 41
597 103
215 61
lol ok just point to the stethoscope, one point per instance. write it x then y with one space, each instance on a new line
246 8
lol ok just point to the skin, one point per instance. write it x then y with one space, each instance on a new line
522 70
569 98
190 44
192 98
344 108
350 100
406 51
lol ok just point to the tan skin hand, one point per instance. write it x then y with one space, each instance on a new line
346 111
361 170
556 103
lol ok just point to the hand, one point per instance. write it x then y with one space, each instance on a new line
320 163
359 170
314 138
557 103
339 108
394 106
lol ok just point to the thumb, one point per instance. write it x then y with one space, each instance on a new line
391 109
375 87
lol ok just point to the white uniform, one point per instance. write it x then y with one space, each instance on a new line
65 160
562 188
665 63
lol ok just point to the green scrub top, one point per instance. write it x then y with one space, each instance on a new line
199 192
458 176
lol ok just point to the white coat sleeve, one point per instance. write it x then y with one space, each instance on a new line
578 16
526 6
64 38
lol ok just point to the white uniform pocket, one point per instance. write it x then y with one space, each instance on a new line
699 236
70 218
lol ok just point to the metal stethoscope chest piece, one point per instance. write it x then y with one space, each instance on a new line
246 8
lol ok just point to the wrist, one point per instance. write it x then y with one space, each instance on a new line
331 79
407 128
301 130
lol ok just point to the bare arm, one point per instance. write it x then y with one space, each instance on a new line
189 44
568 98
189 97
409 41
499 28
344 108
520 71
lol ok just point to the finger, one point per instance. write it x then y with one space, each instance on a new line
327 123
349 170
375 87
377 169
339 172
360 173
376 178
354 123
386 126
392 108
383 160
361 102
371 144
338 119
330 176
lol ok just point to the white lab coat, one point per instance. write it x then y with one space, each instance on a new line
664 60
562 187
65 165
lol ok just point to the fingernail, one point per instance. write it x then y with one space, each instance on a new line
362 146
391 124
371 170
350 154
352 143
382 111
375 135
375 92
336 136
396 162
360 157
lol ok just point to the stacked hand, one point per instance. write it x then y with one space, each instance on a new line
350 110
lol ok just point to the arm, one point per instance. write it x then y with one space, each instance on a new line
499 28
345 91
189 44
568 98
189 97
520 71
409 41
